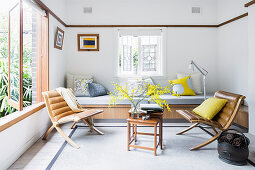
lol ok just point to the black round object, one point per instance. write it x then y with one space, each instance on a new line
233 147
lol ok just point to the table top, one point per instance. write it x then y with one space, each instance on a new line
140 120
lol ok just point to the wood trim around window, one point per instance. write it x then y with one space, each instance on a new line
23 116
42 56
249 3
17 105
44 7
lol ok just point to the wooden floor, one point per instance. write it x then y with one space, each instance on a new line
41 153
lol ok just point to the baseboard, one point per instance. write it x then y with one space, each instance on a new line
15 155
5 164
125 121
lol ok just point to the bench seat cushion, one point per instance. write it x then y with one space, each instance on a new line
105 100
102 100
198 99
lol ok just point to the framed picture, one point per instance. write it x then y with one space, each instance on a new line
59 39
88 42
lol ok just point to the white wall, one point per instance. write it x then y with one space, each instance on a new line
141 12
232 58
57 59
251 80
21 136
228 9
58 7
183 44
18 138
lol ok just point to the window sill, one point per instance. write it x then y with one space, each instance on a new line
156 77
18 116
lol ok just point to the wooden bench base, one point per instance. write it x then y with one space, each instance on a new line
121 112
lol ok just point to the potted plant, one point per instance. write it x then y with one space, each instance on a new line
143 91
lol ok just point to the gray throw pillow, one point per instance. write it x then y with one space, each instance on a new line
96 89
81 87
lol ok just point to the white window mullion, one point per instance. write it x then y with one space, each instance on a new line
148 45
140 60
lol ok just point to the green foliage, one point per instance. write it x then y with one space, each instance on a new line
5 108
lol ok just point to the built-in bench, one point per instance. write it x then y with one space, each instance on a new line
172 100
120 111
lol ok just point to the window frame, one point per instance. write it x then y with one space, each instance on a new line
17 105
42 57
162 56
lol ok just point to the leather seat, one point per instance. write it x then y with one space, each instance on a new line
221 121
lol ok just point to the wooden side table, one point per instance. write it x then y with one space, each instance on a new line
156 119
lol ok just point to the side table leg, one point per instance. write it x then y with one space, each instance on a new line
135 132
161 133
155 140
128 135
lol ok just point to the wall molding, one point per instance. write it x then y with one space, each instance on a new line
142 25
234 19
250 3
44 7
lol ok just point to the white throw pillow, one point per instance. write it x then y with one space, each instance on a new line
81 87
195 79
70 79
134 83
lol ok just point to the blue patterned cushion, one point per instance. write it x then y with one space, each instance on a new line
96 89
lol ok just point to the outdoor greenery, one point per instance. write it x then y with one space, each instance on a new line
5 108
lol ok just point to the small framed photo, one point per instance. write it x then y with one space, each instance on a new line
88 42
59 38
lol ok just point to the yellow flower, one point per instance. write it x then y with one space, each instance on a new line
148 91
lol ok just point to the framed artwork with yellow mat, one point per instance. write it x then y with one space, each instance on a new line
88 42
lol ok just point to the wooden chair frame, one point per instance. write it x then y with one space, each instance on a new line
213 124
65 112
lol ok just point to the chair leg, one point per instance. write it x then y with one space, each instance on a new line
48 132
71 127
206 142
70 141
91 126
214 130
189 128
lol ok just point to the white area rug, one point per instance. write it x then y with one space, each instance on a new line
109 152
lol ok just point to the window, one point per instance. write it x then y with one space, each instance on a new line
140 52
27 56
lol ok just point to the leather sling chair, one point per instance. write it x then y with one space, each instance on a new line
59 113
221 121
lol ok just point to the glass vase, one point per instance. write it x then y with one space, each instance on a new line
135 113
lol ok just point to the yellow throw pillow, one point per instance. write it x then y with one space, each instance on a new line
182 87
210 107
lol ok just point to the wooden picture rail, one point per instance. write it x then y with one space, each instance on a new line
250 3
142 25
44 7
234 19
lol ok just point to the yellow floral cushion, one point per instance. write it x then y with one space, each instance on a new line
210 107
182 87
